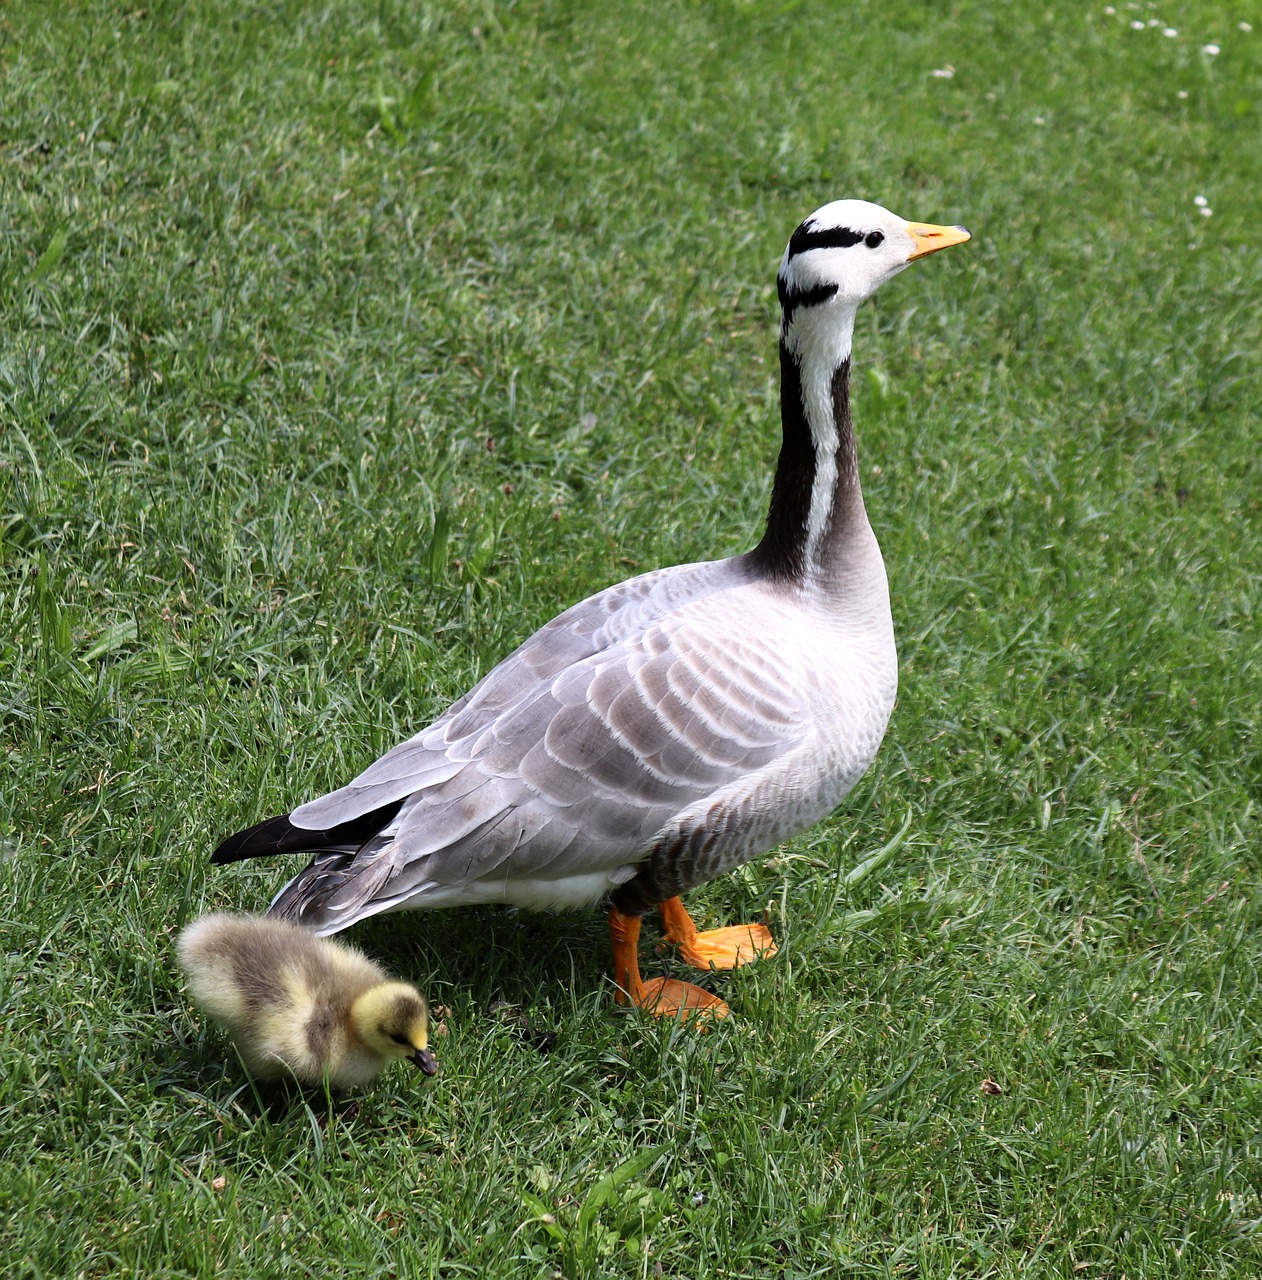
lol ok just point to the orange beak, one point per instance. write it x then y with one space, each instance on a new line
929 238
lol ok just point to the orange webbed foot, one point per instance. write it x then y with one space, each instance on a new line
668 998
662 997
728 948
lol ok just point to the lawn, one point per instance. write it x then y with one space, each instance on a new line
343 344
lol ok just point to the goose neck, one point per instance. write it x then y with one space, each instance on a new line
817 509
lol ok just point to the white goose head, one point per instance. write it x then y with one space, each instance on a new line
843 253
838 257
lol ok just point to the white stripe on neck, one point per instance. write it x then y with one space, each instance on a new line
820 337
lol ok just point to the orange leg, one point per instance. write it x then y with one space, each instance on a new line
663 997
716 948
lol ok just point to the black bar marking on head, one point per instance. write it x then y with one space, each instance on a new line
792 299
806 238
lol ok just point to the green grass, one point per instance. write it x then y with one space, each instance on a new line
342 345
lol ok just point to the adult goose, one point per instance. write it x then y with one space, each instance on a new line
668 728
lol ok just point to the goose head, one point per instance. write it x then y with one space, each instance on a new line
392 1021
845 251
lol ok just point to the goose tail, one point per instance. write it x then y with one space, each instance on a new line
335 890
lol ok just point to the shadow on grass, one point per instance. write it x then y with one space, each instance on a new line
485 958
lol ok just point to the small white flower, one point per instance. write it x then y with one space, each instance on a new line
1169 33
1136 25
1110 10
1199 201
1206 211
1246 27
1154 22
1182 94
1212 49
943 73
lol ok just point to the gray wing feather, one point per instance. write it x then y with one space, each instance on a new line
590 627
574 752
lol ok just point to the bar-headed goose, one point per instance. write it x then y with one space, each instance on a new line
671 727
302 1006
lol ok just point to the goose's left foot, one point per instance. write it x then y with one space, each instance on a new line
728 948
662 997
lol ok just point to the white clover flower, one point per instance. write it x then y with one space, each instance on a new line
1169 33
1206 211
1110 10
943 73
1182 94
1199 201
1212 49
1136 25
1246 27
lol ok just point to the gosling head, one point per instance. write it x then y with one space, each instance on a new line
846 250
392 1021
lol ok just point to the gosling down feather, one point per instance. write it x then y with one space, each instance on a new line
299 1005
671 727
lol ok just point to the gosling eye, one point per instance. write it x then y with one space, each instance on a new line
400 1040
873 238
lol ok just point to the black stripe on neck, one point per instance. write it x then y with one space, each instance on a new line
805 238
792 299
847 450
781 554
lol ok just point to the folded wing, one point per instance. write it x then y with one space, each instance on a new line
562 767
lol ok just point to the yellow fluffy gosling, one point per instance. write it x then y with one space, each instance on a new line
299 1005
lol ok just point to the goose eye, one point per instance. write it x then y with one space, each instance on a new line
403 1040
873 238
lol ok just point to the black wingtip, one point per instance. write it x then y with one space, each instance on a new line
279 835
272 835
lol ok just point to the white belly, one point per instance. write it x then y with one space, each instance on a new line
534 894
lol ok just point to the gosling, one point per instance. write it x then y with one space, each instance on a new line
302 1006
